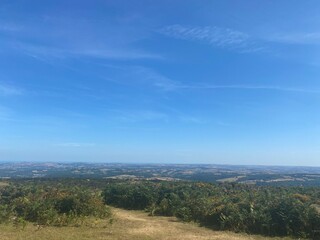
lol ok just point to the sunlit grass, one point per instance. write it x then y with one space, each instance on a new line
125 225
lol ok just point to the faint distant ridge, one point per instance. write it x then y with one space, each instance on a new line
214 173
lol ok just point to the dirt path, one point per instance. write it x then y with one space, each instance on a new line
139 225
126 225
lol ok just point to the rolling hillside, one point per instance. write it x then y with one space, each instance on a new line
127 225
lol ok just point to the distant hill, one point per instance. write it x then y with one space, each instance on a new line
213 173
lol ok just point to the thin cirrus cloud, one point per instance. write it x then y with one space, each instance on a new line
213 35
153 78
70 43
139 75
145 115
138 115
7 90
5 113
74 144
192 119
307 38
162 82
251 87
9 27
45 52
150 77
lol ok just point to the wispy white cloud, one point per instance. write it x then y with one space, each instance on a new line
192 119
9 27
5 113
150 77
307 38
153 78
237 40
215 36
61 36
223 123
44 53
7 90
251 87
117 54
139 115
74 144
143 76
145 116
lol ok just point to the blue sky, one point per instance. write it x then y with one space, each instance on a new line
233 82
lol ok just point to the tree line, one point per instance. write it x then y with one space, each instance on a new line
270 211
265 210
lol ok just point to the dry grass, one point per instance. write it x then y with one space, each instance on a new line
127 225
4 184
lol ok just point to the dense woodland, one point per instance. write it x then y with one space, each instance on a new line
271 211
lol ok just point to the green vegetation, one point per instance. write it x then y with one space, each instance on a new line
264 210
270 211
127 225
46 203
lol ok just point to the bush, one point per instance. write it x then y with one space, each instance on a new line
45 204
273 211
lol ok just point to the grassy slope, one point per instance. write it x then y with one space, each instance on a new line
127 225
